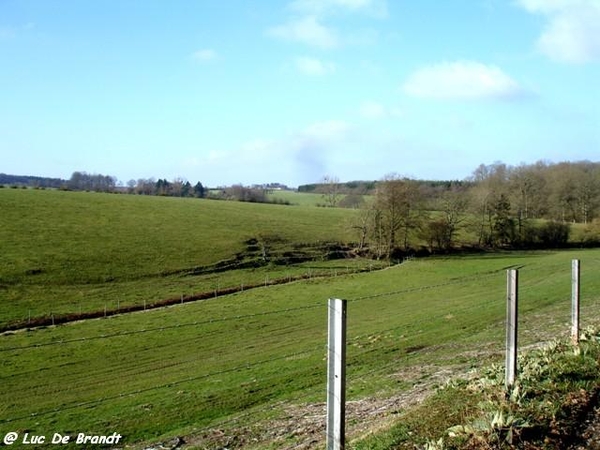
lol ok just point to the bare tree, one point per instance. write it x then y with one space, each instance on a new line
362 224
454 207
330 187
490 183
397 211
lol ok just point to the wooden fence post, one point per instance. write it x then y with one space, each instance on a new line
336 375
575 271
512 300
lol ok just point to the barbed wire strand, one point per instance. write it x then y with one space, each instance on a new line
161 386
165 327
459 280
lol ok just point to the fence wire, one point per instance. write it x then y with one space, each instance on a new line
165 327
169 384
139 370
459 280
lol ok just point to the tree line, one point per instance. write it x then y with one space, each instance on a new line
31 181
524 206
162 187
83 181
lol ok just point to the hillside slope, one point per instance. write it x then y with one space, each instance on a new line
67 252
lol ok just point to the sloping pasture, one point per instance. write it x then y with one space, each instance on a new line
224 371
71 252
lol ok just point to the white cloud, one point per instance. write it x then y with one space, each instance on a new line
468 80
306 30
376 8
11 32
328 130
7 33
301 157
313 66
547 6
375 110
259 148
205 55
572 33
308 27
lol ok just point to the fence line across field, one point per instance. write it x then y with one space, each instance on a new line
459 280
336 345
231 289
166 327
121 395
336 377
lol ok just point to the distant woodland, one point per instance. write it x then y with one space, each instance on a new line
530 205
499 206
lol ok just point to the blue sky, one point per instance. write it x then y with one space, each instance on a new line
289 91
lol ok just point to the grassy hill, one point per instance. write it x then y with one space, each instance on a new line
242 369
68 252
247 369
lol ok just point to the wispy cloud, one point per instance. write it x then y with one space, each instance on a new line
375 8
313 66
572 31
7 33
11 32
310 22
205 55
328 130
306 30
374 110
462 80
302 156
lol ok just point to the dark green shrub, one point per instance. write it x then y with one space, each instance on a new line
554 234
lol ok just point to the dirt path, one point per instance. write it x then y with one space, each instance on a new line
302 427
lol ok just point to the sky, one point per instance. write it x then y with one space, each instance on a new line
231 91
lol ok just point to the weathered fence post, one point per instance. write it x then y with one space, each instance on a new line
512 301
575 271
336 375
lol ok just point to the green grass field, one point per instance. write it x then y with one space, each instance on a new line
189 369
305 198
68 252
237 370
297 198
